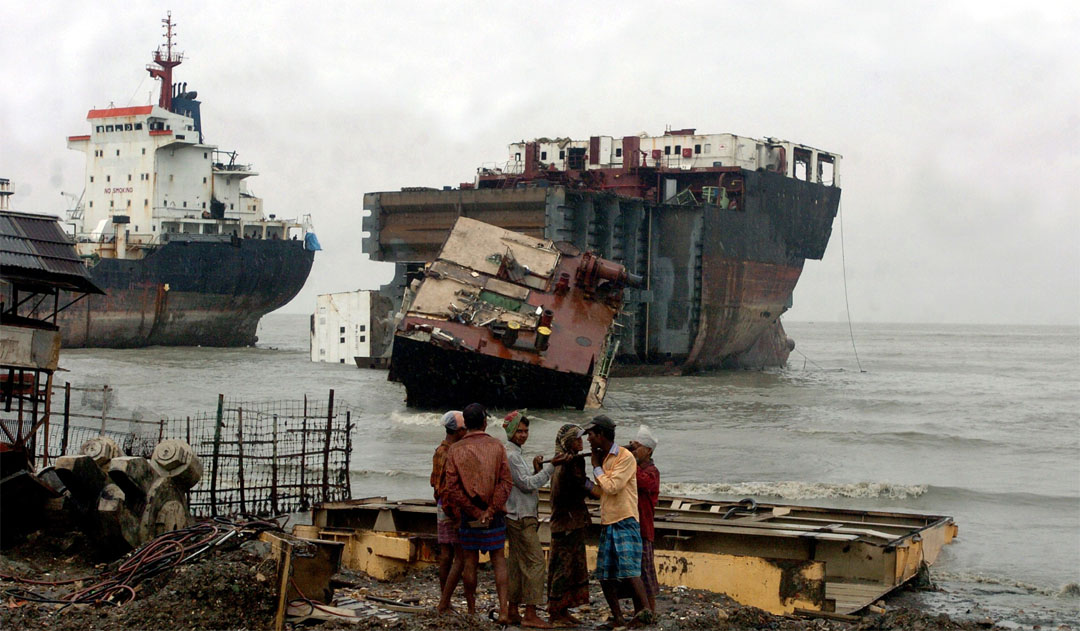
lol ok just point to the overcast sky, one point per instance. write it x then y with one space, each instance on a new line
958 122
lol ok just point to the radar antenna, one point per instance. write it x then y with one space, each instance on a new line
163 63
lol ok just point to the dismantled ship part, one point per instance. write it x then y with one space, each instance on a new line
509 320
125 501
718 225
782 559
40 276
169 229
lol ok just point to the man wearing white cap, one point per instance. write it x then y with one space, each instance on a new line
648 484
454 424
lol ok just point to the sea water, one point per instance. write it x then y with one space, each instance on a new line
978 422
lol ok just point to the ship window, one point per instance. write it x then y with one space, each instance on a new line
180 136
517 156
204 155
139 126
145 203
112 203
99 128
562 154
230 206
91 203
129 203
108 128
543 155
91 178
144 151
127 127
341 361
802 164
342 330
618 152
129 177
697 148
678 149
342 340
204 180
204 204
185 204
826 169
363 338
322 351
363 327
108 178
667 151
136 227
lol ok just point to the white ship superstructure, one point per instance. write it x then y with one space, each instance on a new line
679 149
149 175
168 228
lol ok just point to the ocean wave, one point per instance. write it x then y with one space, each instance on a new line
1065 592
417 418
390 473
792 490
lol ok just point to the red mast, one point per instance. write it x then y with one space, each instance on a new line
165 63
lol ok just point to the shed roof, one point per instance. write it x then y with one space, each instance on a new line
36 254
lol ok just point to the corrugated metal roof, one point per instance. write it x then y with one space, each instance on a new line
35 251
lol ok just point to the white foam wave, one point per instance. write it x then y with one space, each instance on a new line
798 490
1068 591
419 418
391 473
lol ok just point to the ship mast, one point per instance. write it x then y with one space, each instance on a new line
165 63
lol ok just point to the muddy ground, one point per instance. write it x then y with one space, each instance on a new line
233 589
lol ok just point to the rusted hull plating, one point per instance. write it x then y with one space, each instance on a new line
508 320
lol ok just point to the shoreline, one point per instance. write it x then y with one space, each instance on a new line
233 589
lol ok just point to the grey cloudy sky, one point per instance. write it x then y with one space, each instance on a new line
959 122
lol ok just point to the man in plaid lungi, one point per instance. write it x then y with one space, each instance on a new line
618 557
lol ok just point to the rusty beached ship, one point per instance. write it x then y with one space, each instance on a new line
717 225
510 320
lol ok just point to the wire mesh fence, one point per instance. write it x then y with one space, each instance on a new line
258 458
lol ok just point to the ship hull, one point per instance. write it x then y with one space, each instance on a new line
498 382
718 279
188 293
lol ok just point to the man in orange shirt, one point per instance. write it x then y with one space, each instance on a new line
618 556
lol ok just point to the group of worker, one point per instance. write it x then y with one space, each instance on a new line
487 496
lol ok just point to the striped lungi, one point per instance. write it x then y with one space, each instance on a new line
447 527
484 539
619 553
648 569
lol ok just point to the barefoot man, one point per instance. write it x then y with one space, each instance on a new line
449 550
618 556
477 485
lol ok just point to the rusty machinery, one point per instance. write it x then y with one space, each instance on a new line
125 501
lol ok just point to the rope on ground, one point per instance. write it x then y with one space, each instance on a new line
847 305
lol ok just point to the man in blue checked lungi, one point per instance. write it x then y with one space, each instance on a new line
477 485
618 558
